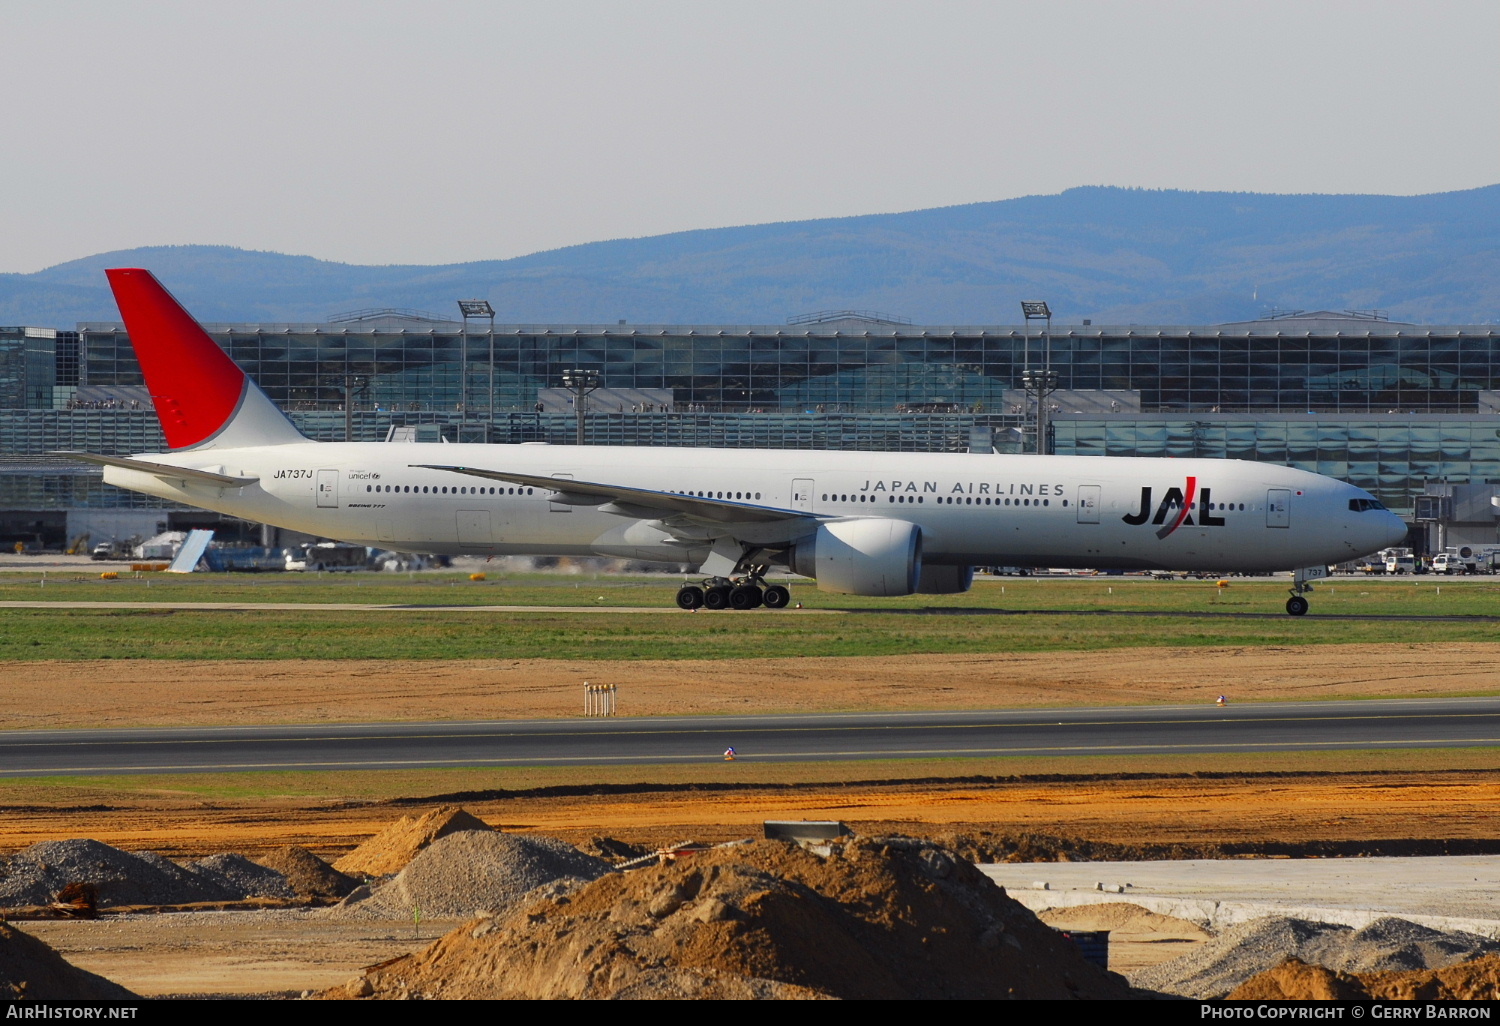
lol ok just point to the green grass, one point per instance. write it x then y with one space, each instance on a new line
1066 614
1419 595
318 634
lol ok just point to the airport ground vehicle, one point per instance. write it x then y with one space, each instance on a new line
328 555
865 523
1466 559
1401 563
113 549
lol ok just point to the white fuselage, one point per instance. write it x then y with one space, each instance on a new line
1056 511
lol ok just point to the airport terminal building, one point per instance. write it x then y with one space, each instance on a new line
1410 412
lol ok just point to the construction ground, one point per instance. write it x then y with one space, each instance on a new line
1018 810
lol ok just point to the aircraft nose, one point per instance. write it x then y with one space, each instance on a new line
1394 530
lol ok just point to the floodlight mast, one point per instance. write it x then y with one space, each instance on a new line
1041 382
580 381
353 386
476 309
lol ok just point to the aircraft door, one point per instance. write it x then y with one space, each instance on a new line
1279 507
474 528
802 494
1088 504
328 489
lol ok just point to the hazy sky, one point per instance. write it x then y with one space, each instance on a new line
449 130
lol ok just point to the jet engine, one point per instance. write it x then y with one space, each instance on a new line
862 557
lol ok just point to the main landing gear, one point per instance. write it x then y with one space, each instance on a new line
747 592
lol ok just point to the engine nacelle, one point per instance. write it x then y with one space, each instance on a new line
862 557
945 580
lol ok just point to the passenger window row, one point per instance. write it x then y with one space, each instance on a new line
435 490
943 500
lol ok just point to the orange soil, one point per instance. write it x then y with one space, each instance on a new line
1440 804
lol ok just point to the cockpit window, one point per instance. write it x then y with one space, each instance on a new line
1362 505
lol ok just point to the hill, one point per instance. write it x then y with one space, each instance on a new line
1113 255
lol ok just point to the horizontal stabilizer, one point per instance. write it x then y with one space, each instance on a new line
160 469
633 501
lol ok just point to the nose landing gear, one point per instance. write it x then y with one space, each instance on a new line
1302 579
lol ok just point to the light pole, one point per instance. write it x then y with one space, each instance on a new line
477 308
353 386
580 381
1039 382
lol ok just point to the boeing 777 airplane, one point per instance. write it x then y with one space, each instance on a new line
863 523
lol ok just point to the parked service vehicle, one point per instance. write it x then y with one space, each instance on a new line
320 556
1466 559
1402 564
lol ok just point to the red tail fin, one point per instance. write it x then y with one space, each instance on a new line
198 391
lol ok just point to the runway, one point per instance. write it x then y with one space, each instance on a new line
1136 730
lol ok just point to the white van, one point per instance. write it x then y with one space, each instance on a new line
1406 564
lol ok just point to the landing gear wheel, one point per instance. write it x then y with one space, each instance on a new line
717 597
690 597
744 596
1296 605
776 597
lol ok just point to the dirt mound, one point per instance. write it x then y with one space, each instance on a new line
1396 945
1477 980
1295 980
390 850
1120 916
1248 949
34 875
1129 923
612 850
1138 938
31 970
892 918
474 872
237 875
307 875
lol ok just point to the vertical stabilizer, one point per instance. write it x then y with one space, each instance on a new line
202 399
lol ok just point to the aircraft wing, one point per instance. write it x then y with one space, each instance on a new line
160 469
641 503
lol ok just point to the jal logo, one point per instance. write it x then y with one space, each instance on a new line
1175 509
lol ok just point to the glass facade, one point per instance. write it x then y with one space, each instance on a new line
1332 364
28 367
706 369
1384 405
